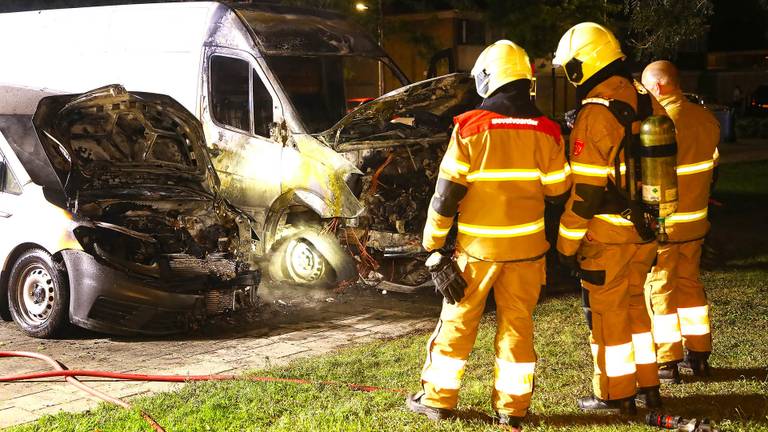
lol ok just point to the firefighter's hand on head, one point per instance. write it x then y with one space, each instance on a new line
446 276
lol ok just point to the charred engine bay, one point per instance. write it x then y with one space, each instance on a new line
176 241
142 190
398 141
398 185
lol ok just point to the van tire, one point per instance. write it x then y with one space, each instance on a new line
38 294
296 260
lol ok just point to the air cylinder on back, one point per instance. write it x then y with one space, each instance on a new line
658 161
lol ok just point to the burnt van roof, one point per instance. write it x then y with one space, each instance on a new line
289 30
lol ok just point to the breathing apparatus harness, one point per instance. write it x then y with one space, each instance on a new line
650 159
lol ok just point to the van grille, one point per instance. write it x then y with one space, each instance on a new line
138 317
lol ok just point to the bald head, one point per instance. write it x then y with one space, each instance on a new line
661 78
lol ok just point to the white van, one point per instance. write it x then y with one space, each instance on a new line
272 86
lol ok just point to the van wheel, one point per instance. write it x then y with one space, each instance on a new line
303 262
38 295
295 260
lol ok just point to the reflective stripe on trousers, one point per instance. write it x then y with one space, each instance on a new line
514 378
619 360
694 321
666 328
443 371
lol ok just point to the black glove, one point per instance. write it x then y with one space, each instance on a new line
571 263
447 277
644 222
570 118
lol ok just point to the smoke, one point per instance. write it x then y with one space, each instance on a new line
305 264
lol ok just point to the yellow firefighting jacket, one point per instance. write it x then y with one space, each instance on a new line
698 133
594 142
498 171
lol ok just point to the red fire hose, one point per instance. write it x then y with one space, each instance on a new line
71 377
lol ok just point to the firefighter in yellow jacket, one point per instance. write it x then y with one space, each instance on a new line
503 160
602 233
678 303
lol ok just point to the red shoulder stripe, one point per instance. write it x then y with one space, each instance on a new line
478 121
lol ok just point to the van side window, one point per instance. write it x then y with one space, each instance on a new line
8 182
262 107
234 84
230 104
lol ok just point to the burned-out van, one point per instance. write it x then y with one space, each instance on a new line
111 219
273 87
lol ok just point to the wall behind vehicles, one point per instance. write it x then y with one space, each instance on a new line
153 48
412 39
363 82
720 84
554 93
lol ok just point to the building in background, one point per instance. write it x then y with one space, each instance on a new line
429 44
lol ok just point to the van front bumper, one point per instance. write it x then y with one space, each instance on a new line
108 300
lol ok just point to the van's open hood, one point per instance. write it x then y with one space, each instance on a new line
108 139
421 112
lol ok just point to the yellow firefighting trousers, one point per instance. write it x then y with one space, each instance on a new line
622 345
516 288
678 304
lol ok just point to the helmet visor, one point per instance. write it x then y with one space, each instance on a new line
574 71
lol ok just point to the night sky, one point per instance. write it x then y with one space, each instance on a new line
739 25
735 26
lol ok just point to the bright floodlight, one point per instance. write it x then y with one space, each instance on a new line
361 7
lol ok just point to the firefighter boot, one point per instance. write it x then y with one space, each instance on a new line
668 373
649 396
623 406
512 423
413 403
697 362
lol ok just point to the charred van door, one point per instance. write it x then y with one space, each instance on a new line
239 113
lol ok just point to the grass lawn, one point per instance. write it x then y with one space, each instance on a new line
736 396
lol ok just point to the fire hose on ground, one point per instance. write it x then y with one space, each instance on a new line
59 370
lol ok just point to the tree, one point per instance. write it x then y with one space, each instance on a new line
649 28
657 28
538 25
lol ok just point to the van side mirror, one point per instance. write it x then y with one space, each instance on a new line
278 131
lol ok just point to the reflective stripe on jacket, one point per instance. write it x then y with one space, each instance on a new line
698 133
594 141
500 169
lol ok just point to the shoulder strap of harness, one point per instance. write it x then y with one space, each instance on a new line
626 115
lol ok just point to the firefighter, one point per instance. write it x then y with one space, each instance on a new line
503 161
604 235
680 312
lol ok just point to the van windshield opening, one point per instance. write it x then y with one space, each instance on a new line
323 89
